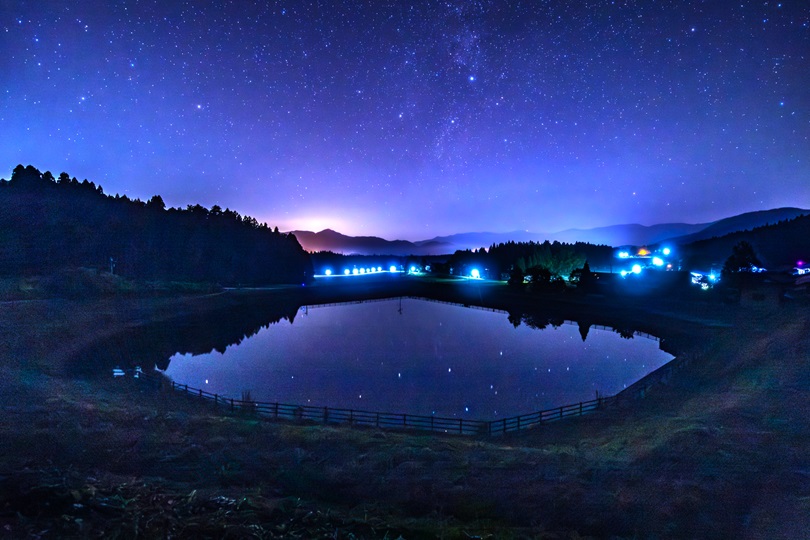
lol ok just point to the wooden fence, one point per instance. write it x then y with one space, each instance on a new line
526 421
433 424
384 420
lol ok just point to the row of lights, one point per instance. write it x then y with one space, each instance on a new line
360 271
474 273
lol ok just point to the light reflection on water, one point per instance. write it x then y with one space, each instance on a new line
425 358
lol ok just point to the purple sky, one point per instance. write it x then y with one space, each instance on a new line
416 119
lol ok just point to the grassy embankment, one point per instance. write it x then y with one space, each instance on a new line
718 451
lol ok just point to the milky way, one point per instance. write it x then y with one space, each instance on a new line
410 120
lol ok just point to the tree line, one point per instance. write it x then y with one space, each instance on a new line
778 245
48 224
544 263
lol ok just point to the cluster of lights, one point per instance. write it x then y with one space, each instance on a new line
360 271
656 261
705 282
636 269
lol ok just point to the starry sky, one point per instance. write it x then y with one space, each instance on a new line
409 120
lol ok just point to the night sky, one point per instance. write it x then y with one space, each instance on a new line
415 119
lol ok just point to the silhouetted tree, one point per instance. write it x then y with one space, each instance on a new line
539 278
584 327
516 277
742 259
156 203
46 225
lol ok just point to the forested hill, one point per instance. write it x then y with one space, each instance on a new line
48 224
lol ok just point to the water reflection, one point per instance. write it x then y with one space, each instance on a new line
421 357
194 333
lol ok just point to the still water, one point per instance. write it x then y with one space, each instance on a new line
421 357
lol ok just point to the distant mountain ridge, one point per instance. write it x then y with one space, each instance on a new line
742 222
329 240
614 235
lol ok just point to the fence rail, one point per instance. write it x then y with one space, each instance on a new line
330 415
405 297
525 421
384 420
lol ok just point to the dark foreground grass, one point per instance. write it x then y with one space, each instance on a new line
718 451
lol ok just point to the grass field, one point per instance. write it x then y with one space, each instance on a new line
717 451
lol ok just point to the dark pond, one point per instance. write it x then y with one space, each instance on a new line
423 357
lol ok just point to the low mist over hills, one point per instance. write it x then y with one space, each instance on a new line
616 235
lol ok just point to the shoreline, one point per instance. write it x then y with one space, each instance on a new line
711 452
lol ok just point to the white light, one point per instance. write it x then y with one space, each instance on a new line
328 272
475 274
392 269
355 271
623 254
413 270
379 269
636 268
712 277
658 261
373 270
362 270
346 272
667 251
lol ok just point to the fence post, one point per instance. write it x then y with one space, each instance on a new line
404 420
580 408
325 414
200 392
518 424
431 424
216 398
275 410
561 412
231 404
461 426
351 416
378 419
